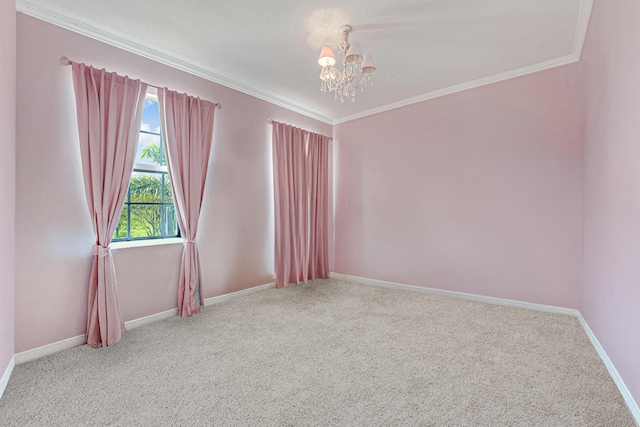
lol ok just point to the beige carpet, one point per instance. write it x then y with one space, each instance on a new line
328 353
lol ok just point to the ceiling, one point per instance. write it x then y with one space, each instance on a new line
269 49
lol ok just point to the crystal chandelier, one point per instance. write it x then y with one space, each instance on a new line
357 70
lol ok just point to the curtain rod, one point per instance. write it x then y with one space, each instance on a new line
271 121
66 61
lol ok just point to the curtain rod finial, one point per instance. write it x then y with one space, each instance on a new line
65 61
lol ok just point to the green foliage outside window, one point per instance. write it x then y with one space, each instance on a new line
155 154
149 202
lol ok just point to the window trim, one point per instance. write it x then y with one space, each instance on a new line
140 243
163 170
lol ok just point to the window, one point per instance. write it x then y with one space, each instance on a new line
148 211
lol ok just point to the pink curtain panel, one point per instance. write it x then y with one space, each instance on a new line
187 128
318 181
109 109
301 181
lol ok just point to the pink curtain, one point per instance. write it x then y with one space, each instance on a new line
318 181
109 109
187 128
300 175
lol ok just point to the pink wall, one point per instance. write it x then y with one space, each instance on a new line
474 192
610 73
7 179
53 253
479 192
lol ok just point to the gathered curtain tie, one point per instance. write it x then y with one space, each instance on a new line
189 241
99 250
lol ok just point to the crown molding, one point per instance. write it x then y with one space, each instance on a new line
170 59
584 14
158 55
558 62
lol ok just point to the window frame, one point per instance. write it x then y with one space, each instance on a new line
161 170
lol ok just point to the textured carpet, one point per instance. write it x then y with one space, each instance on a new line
329 353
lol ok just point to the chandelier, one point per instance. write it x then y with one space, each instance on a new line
357 69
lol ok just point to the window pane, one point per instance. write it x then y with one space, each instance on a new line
146 220
149 151
146 187
171 226
121 228
151 115
151 212
168 195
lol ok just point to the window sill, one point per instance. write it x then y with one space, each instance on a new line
150 242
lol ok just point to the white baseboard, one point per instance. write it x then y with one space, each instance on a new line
238 294
626 394
146 320
56 347
45 350
133 324
5 377
453 294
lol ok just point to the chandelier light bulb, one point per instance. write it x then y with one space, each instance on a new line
368 66
354 54
326 57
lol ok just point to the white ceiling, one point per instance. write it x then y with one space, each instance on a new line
269 49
